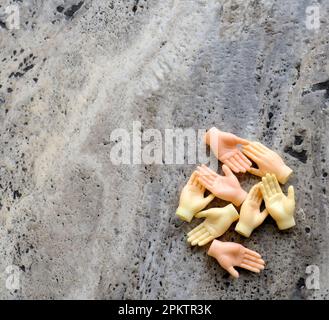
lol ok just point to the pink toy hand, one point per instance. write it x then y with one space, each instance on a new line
224 146
250 215
267 161
230 255
224 187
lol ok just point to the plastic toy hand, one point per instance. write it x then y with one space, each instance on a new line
217 221
267 161
230 254
224 146
224 187
250 215
280 207
192 199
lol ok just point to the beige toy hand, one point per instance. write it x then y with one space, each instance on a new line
224 187
280 207
224 146
250 215
192 199
267 161
217 221
230 255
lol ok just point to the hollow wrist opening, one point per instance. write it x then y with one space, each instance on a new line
184 214
286 223
285 174
243 229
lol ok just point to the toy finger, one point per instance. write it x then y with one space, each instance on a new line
250 155
208 199
207 213
261 146
262 216
201 171
196 229
237 165
254 259
291 193
202 237
227 171
200 186
209 171
244 159
253 192
254 264
229 163
271 180
246 266
196 235
266 184
205 182
263 191
257 147
205 241
251 149
241 162
276 185
253 253
255 172
193 178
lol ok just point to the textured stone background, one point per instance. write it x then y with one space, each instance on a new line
79 226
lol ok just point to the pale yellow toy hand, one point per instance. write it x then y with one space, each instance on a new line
267 161
192 199
224 146
224 187
217 221
280 207
230 255
250 215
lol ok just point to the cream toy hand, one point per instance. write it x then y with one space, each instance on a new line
217 221
280 207
192 199
230 254
250 215
224 146
224 187
267 161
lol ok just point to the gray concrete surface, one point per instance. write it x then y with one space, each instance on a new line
78 226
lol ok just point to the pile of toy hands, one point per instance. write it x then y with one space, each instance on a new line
217 221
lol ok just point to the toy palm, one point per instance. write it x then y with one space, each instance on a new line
224 146
224 187
280 207
267 161
250 215
230 255
217 221
192 199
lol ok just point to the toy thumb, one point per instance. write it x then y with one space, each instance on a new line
208 199
233 272
291 193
